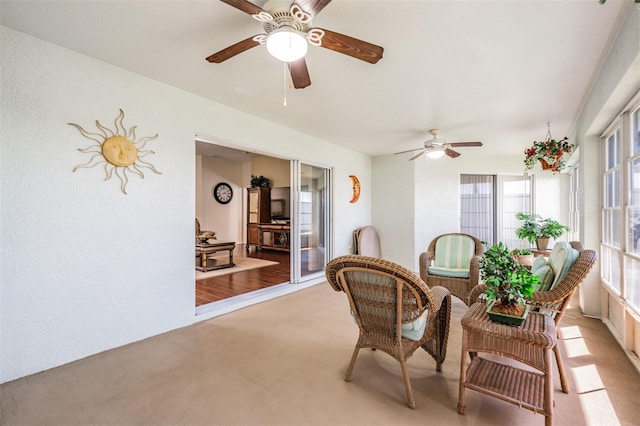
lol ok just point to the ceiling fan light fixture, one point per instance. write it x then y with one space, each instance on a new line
435 153
287 44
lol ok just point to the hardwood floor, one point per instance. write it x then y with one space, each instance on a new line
224 286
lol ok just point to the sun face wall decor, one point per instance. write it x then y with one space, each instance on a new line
118 150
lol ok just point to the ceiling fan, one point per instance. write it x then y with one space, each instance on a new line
288 31
437 147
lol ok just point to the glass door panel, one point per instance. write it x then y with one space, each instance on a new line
311 211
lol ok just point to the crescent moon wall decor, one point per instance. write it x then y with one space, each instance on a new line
118 149
356 188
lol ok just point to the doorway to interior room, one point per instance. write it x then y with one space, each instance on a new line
224 286
305 195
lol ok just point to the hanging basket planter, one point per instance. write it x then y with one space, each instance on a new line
549 153
546 166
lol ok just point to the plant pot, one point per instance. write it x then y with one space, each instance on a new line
525 259
546 166
542 243
507 319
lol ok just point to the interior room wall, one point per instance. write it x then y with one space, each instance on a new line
224 219
276 169
86 268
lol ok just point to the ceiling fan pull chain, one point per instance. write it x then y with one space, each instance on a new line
284 88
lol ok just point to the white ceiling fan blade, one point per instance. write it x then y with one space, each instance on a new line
410 150
417 155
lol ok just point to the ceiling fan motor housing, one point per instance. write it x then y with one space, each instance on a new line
284 14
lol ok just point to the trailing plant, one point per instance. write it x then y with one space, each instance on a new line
507 280
534 227
522 252
260 181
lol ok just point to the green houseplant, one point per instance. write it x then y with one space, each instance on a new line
508 283
537 230
260 181
524 256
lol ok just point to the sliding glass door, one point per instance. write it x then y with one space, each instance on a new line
310 246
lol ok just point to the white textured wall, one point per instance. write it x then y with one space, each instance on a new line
393 208
85 268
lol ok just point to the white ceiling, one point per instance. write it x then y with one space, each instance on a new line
493 71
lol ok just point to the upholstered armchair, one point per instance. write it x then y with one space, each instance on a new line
394 309
451 261
203 236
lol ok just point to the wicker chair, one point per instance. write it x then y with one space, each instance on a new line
530 344
394 309
459 280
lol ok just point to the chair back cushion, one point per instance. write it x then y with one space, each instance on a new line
454 251
546 275
561 259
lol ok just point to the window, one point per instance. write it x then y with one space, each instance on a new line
632 260
611 210
488 206
574 205
620 246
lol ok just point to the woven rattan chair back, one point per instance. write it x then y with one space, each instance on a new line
383 296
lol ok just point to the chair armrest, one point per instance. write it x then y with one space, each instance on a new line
439 294
425 262
474 271
475 293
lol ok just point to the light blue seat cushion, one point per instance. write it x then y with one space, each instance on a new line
449 272
415 330
412 330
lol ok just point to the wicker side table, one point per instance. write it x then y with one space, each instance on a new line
532 344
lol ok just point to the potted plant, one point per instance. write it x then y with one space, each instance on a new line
508 283
548 153
524 256
260 181
537 230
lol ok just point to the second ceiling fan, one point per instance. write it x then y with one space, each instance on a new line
288 30
437 147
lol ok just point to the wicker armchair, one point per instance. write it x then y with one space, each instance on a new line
394 309
555 301
463 252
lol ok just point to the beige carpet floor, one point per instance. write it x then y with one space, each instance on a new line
282 363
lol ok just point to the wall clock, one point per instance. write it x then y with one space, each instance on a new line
223 193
